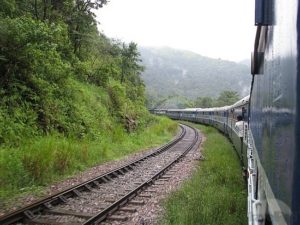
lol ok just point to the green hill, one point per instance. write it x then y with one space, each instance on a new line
171 72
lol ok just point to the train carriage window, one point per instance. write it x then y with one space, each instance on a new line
244 112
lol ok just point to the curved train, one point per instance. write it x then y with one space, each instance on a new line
270 148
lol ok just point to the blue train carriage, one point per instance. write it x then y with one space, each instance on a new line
188 114
224 119
218 117
204 116
274 154
158 111
176 114
239 135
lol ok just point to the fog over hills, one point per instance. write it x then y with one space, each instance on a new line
172 72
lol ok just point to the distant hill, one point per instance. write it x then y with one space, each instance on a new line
246 62
171 72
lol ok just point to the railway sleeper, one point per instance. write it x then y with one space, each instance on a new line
145 195
48 222
136 202
88 187
151 190
128 209
68 212
117 218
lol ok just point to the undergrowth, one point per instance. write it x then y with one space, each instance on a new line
43 160
36 160
216 194
67 102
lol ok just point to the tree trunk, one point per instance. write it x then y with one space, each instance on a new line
76 40
36 13
45 9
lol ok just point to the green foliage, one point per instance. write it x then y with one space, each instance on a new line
227 98
174 102
8 7
34 72
204 102
216 194
45 48
130 64
41 160
117 95
70 97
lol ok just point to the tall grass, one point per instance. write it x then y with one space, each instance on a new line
216 194
42 160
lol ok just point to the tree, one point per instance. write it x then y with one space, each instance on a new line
7 7
227 98
204 102
34 69
49 49
131 69
83 21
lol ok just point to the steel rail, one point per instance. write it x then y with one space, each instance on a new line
125 199
30 211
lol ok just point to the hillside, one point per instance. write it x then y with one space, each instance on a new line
70 97
171 72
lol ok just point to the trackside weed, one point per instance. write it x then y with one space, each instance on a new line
216 194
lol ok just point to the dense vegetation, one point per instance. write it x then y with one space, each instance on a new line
225 98
49 49
173 102
176 78
217 192
66 92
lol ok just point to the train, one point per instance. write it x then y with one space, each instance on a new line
269 148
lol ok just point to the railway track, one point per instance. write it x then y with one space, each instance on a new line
112 195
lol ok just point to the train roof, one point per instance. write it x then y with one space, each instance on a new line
183 110
223 108
241 102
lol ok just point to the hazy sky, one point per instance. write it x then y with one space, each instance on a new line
215 28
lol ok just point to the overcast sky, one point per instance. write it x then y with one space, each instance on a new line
215 28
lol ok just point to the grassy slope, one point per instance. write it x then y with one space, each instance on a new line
47 159
216 194
40 160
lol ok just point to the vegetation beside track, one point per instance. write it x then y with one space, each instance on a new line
216 194
42 160
70 97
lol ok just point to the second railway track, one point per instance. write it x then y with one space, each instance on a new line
111 195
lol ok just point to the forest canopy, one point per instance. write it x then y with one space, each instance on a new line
51 54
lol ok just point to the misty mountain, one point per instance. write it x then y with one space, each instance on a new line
246 62
172 72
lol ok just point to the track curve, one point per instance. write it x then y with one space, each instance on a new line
93 201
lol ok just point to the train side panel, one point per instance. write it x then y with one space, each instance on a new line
223 119
273 115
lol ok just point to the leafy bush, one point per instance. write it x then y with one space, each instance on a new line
35 73
69 97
